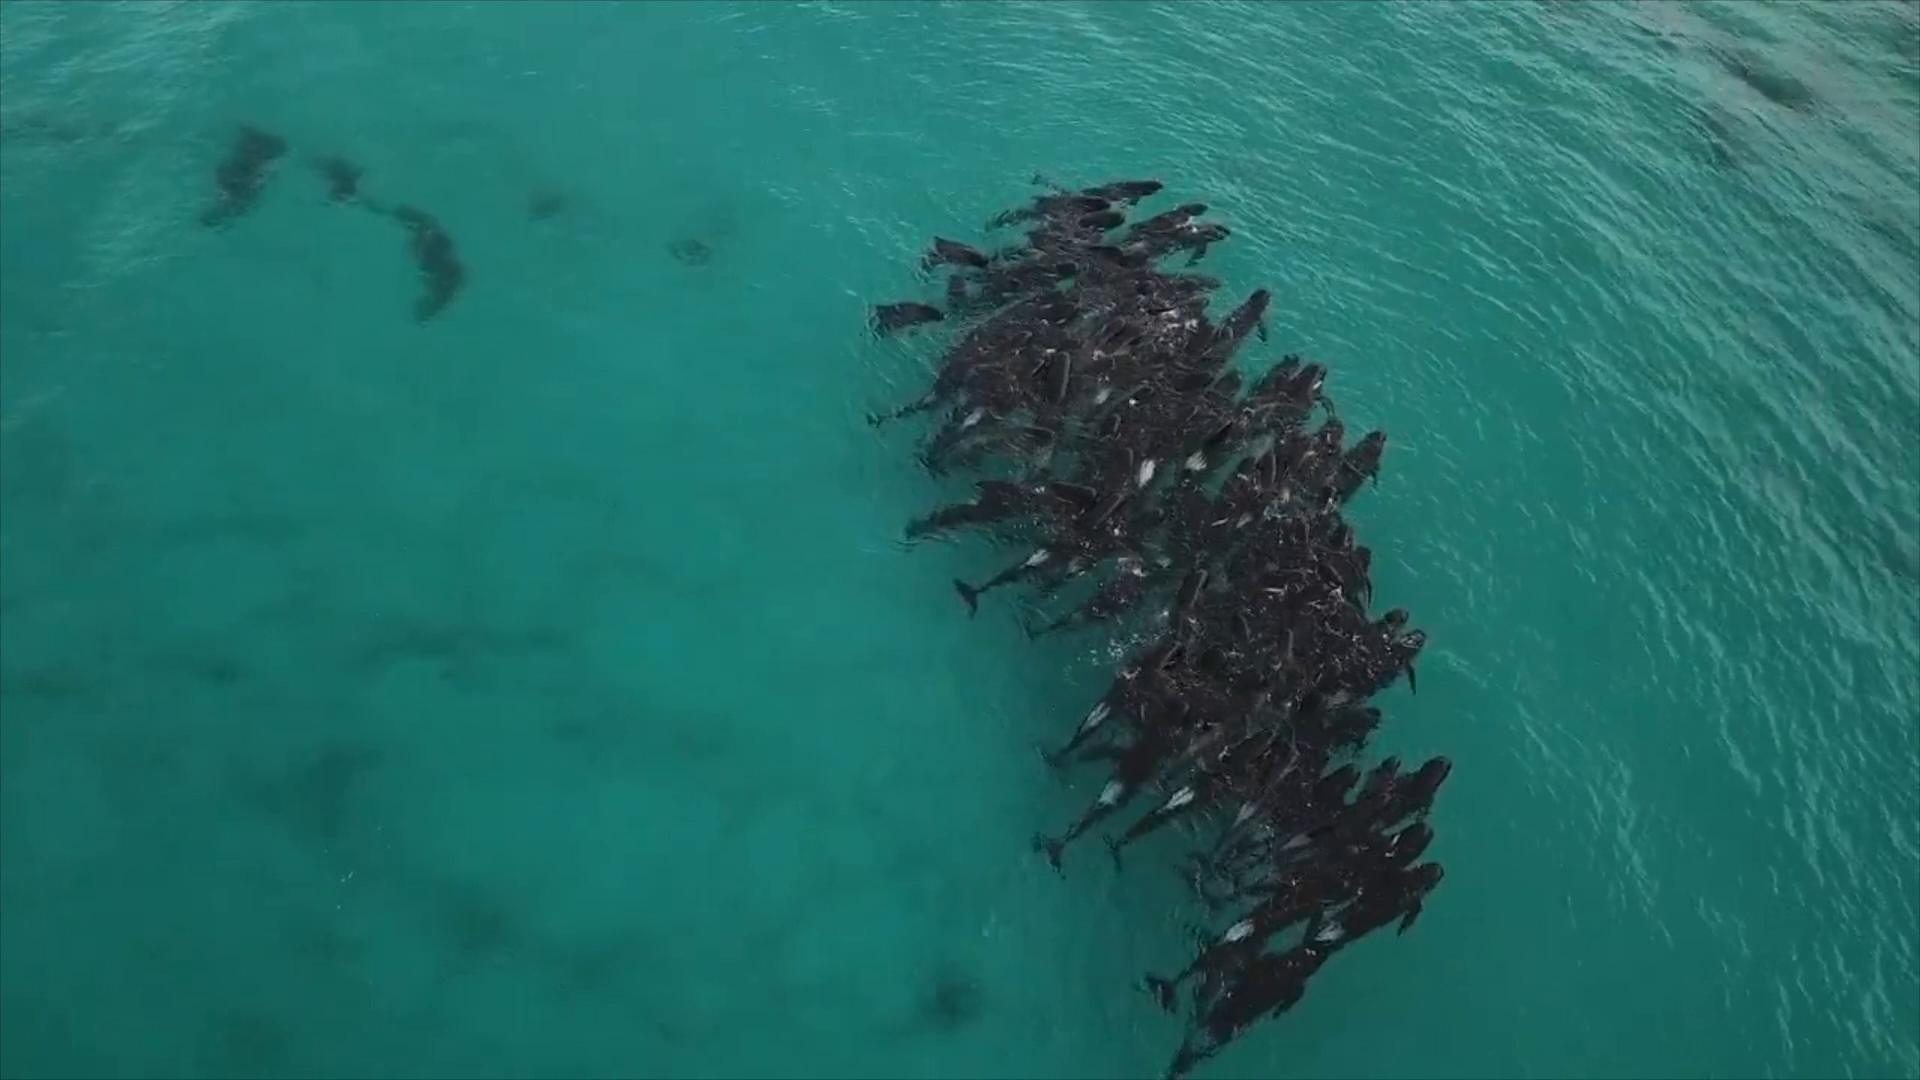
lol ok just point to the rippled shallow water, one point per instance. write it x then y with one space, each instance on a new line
539 690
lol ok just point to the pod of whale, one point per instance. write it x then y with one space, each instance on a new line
242 176
1157 490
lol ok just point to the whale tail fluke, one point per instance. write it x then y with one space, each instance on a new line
1051 848
1161 989
968 593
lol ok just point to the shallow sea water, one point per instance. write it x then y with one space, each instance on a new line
541 690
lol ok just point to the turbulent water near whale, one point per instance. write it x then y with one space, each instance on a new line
454 618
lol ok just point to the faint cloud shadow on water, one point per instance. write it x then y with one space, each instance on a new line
314 793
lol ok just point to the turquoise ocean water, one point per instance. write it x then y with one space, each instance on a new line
540 690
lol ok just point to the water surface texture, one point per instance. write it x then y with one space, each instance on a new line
539 688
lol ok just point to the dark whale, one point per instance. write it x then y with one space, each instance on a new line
954 253
243 174
891 318
441 274
342 177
